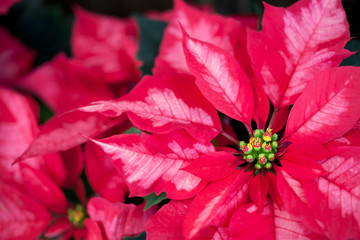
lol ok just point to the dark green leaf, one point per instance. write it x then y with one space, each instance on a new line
152 199
44 111
132 130
241 165
271 170
354 60
151 33
251 167
142 236
277 162
42 27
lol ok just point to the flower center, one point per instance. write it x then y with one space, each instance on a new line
260 151
77 216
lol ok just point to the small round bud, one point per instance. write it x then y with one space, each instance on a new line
262 158
248 149
267 135
257 143
258 133
267 147
271 157
274 137
274 145
258 166
249 158
268 165
242 144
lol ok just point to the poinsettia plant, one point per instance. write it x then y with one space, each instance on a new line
278 174
238 134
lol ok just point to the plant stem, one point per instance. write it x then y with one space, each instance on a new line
228 136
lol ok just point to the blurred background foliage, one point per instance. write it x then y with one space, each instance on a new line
45 25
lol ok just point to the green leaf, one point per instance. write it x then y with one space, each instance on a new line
142 236
151 33
44 28
45 113
132 130
354 60
152 199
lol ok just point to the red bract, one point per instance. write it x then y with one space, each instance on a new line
66 77
158 104
22 217
102 175
106 44
30 188
18 127
298 42
118 219
220 31
66 131
15 58
150 168
181 111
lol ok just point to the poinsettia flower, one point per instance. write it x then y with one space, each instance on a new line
307 126
278 172
16 59
32 186
107 44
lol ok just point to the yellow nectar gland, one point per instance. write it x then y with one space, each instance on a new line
267 135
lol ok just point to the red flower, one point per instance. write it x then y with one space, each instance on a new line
286 183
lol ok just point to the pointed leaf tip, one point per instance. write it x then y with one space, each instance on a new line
220 78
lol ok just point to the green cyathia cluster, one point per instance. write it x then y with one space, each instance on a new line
77 216
261 149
